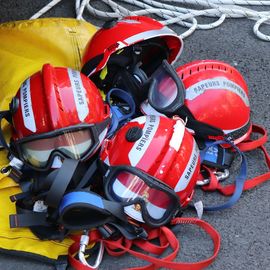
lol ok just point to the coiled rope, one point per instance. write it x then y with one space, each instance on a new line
181 15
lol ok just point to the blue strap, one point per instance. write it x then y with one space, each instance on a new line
215 155
81 197
239 181
118 116
90 209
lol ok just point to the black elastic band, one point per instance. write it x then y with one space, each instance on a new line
201 129
4 115
28 219
90 65
61 182
88 176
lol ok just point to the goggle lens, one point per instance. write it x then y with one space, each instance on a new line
128 187
74 144
164 90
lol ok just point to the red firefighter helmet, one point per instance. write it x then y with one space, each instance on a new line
159 146
217 94
117 35
57 112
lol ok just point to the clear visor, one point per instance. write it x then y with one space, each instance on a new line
127 187
74 144
166 88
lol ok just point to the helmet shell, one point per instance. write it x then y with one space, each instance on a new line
56 98
166 150
217 94
126 32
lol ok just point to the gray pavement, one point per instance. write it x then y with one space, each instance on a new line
244 228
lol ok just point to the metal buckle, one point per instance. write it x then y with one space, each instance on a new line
221 175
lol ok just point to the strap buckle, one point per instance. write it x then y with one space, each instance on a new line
13 169
220 175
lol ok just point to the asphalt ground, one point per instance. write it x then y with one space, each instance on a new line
244 228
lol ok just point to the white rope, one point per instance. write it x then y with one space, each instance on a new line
181 14
45 9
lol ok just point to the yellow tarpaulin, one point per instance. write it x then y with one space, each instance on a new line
25 47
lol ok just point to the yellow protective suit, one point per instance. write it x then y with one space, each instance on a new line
25 47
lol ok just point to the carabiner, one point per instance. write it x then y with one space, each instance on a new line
220 175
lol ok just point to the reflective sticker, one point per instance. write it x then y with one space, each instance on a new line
189 170
141 145
27 110
151 33
147 109
121 45
226 131
219 83
141 119
178 134
129 21
79 93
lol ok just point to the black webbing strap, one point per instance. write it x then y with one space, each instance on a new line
83 210
201 129
4 115
61 182
87 178
28 219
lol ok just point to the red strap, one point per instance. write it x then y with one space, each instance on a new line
253 144
213 181
245 146
166 239
250 183
74 248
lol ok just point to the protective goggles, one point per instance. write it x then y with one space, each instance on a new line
77 142
145 198
167 96
166 91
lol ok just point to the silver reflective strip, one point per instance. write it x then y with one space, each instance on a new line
141 145
129 21
150 34
178 134
219 83
189 170
79 93
226 131
26 106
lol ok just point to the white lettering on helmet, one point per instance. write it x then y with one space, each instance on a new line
79 93
26 106
219 83
189 170
140 147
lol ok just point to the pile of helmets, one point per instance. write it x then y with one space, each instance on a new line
132 159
